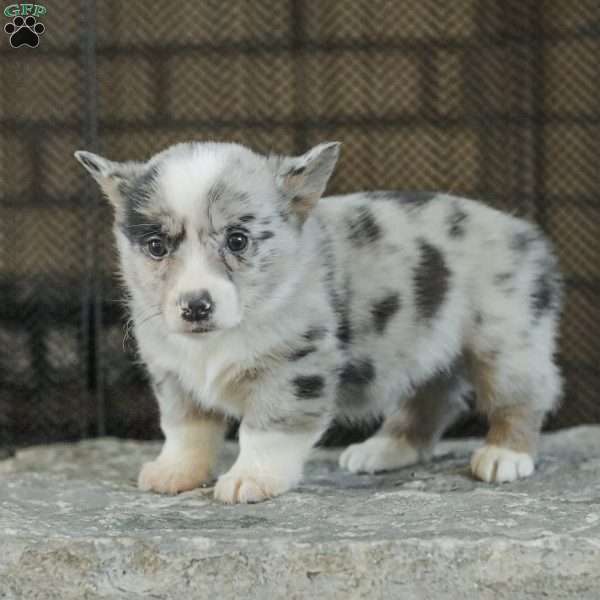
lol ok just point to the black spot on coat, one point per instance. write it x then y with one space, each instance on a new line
137 197
307 387
521 240
546 293
339 298
264 235
383 310
457 221
315 333
139 228
341 305
363 228
344 329
302 352
357 372
431 280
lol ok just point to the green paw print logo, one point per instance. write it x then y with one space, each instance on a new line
25 29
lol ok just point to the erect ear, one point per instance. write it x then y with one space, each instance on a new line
109 175
302 179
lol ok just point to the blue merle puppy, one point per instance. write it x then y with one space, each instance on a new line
253 297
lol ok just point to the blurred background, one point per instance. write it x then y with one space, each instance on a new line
496 100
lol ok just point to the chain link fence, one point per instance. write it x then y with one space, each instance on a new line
493 100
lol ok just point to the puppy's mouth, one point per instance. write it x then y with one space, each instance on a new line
198 329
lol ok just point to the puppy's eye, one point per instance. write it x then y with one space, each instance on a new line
157 247
237 241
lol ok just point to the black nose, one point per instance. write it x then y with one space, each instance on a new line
197 308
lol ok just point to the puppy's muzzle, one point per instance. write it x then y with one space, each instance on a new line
196 308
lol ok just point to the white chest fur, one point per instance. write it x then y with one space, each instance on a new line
207 368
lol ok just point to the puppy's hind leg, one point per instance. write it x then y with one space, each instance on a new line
514 393
511 351
409 436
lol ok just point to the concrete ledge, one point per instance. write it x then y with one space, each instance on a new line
73 525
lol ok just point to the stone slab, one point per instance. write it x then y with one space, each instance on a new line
73 525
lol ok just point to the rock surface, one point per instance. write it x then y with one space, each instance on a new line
73 525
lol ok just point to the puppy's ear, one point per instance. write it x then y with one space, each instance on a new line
302 179
109 175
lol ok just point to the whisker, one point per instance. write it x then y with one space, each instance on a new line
145 317
127 333
156 314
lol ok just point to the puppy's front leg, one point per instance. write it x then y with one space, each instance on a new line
270 462
192 439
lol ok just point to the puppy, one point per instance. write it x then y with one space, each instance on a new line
253 297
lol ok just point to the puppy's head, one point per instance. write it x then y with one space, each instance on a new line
207 233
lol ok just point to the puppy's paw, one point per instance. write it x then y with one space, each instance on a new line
379 453
174 474
495 464
244 487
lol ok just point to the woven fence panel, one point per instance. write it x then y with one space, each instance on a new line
493 100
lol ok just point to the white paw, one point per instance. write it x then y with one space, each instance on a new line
495 464
245 487
379 453
174 474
